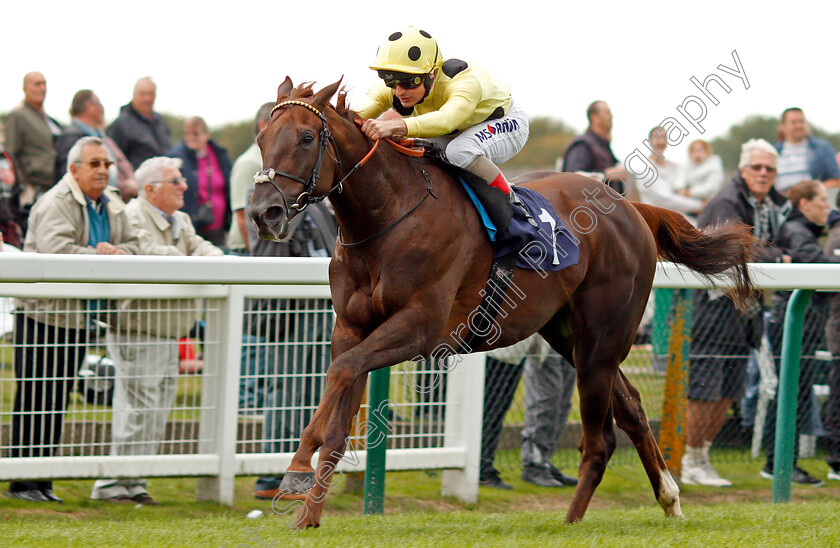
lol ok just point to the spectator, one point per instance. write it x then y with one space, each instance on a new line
252 380
501 377
548 400
291 341
721 337
88 118
798 237
832 331
802 156
241 179
591 153
78 215
549 385
10 213
139 131
207 170
30 134
145 352
260 326
704 176
662 192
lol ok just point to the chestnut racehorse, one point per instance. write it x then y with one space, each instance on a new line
412 260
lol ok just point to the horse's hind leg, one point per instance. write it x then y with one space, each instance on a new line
595 390
590 355
630 416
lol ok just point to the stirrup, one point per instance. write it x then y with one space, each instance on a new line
432 149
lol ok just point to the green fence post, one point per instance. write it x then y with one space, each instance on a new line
787 393
660 331
377 441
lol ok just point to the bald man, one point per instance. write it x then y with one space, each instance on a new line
30 135
139 131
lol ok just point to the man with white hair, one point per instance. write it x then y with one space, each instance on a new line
721 338
143 337
80 215
139 131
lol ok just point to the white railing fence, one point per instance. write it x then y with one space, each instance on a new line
210 435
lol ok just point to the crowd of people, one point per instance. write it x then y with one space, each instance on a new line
125 188
781 192
88 188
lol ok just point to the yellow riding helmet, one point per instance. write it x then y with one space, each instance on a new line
409 51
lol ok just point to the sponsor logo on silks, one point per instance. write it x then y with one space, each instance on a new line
493 129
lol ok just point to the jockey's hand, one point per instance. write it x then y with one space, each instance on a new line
384 129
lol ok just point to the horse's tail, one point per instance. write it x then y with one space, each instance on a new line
708 251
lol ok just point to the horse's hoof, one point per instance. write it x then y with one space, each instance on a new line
296 483
282 495
307 525
675 511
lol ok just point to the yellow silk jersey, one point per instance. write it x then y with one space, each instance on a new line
462 96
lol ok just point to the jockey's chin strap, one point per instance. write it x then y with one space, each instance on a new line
308 195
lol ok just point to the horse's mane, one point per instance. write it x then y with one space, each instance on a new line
304 91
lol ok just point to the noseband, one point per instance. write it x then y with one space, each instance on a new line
308 195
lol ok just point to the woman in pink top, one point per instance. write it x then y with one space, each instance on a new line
207 170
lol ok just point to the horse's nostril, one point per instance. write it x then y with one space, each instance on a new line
273 213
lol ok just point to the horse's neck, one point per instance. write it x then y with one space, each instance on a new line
384 188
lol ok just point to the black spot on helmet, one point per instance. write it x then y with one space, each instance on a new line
409 51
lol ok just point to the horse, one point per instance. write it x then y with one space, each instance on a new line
412 260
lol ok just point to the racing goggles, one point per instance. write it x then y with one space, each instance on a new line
405 81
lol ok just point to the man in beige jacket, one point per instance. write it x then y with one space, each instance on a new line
30 135
78 215
143 337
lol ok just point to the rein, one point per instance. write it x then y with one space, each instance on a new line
308 197
398 221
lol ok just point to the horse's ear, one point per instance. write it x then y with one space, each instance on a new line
322 98
285 89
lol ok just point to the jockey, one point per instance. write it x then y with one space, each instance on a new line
459 106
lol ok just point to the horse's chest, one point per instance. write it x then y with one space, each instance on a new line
374 302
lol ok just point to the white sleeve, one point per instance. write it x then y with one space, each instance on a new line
661 192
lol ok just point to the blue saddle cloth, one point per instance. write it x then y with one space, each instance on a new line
538 236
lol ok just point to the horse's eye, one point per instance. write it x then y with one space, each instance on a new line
307 139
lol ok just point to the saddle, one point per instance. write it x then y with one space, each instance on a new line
522 223
492 204
524 231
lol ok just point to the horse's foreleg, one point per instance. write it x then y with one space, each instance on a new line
332 451
300 473
630 416
394 341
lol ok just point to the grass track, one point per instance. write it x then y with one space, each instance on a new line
623 513
732 524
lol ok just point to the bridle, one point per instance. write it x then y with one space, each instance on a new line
308 195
